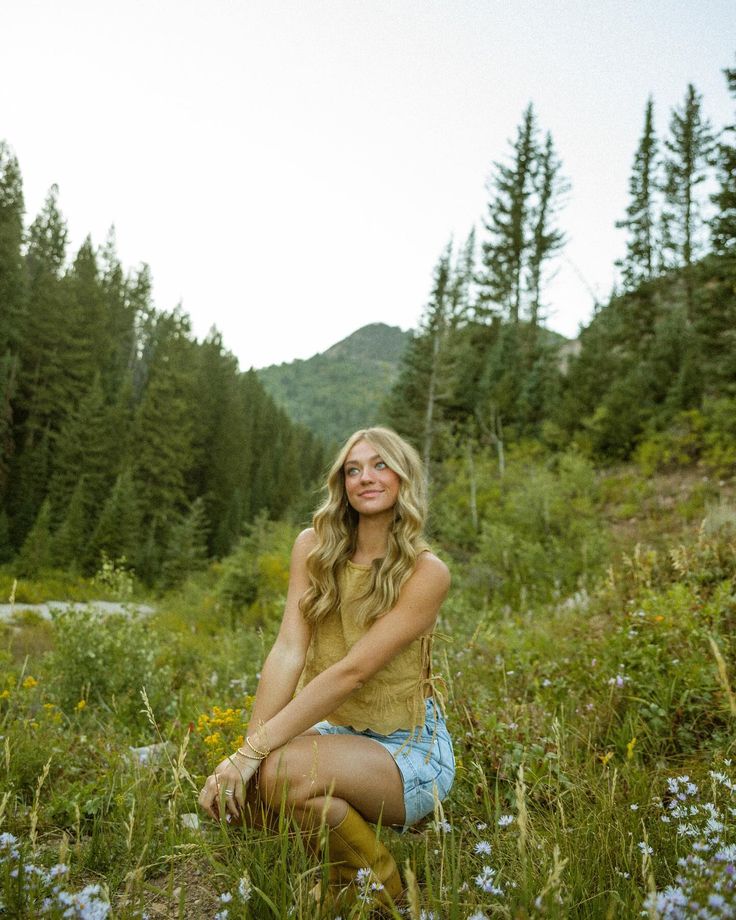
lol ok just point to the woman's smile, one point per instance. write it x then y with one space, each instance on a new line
370 485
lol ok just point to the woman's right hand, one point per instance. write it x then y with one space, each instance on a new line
225 787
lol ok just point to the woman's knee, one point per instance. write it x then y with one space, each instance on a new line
284 777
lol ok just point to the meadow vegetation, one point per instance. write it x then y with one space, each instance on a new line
589 661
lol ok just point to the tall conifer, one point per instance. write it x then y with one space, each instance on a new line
639 262
723 225
688 146
509 210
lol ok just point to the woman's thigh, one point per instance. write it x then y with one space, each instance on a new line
358 770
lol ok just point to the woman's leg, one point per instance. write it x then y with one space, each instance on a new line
341 780
318 775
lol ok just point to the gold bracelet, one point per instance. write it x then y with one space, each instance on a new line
261 755
248 756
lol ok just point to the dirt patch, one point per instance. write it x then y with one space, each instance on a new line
189 891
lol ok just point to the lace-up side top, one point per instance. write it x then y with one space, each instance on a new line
394 697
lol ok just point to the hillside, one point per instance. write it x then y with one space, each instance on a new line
342 389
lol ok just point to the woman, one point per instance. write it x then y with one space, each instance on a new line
363 739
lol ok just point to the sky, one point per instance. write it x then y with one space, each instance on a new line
291 171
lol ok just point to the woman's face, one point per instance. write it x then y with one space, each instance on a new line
371 487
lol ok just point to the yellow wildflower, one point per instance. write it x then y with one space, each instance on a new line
81 705
630 748
212 740
29 682
604 758
49 706
5 695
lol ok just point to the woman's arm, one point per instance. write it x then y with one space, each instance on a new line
279 676
413 616
285 662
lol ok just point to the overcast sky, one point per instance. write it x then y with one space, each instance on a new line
292 170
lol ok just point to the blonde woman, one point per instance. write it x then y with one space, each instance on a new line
345 727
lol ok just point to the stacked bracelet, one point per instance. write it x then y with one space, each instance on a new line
261 755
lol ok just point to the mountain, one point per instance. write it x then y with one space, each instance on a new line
342 389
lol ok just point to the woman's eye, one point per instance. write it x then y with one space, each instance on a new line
351 470
380 465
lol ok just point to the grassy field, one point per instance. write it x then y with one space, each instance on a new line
594 736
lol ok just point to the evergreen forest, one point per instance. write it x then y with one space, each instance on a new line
583 494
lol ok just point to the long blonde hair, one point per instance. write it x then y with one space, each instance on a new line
336 526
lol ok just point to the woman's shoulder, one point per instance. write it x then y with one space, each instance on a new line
303 545
432 568
306 539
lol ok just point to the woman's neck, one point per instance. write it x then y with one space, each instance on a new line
372 538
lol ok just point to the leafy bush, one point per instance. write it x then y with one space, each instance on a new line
107 660
542 539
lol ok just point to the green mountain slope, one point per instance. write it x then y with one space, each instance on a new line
342 389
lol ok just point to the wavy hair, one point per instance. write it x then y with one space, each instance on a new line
336 527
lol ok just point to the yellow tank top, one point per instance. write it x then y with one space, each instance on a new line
394 697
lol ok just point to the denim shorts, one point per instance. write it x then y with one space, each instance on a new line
424 757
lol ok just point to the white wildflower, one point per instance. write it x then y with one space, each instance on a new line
482 848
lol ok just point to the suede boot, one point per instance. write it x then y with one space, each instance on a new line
359 865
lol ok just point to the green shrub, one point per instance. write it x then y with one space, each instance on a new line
107 660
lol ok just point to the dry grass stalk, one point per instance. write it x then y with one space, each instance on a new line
412 893
3 806
723 675
522 813
36 801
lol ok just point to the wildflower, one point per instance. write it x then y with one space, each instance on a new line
5 695
604 758
482 848
630 748
478 915
244 888
212 740
225 897
29 683
634 806
481 826
443 826
81 705
221 914
505 820
618 681
546 682
485 882
645 848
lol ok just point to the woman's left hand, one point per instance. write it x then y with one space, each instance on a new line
227 784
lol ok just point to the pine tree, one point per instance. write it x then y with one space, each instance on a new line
545 238
639 264
88 445
186 551
161 438
37 551
70 541
8 383
503 253
414 405
118 529
685 167
723 225
12 281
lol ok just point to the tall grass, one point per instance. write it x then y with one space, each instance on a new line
594 739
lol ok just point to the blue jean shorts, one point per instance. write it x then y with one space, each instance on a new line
424 757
